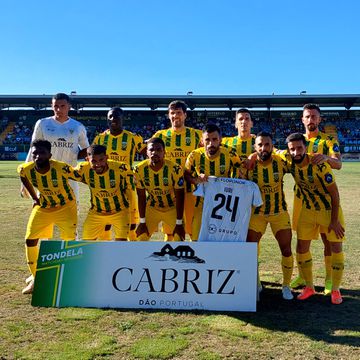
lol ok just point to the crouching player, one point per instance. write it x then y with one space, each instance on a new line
163 181
320 212
54 204
110 184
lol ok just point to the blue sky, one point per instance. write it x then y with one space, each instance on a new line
138 47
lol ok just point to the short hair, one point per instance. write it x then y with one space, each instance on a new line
264 134
41 143
178 104
296 137
96 149
61 96
211 127
243 110
119 111
156 140
311 106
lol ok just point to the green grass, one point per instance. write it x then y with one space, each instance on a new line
279 329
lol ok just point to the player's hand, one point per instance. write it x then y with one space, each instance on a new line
202 178
180 231
142 229
337 228
24 193
318 159
249 163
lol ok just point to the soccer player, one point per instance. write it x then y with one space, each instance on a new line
210 160
179 141
67 136
268 173
109 182
325 149
320 212
55 205
121 145
243 143
163 181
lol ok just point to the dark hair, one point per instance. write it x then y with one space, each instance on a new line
96 149
311 107
61 96
243 110
296 137
211 127
178 104
119 111
42 143
264 134
156 140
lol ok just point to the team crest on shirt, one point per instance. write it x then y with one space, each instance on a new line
276 177
328 178
315 148
71 131
166 181
311 178
112 183
54 182
222 169
188 141
123 145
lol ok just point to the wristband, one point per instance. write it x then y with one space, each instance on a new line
179 222
142 221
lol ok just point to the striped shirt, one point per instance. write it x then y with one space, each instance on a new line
242 147
313 181
269 178
108 190
160 185
122 147
53 186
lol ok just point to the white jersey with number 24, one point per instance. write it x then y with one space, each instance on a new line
227 208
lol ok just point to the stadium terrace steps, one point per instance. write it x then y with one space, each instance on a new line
9 128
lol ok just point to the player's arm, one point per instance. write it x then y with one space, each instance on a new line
83 143
333 160
335 204
82 154
30 189
129 193
190 170
142 228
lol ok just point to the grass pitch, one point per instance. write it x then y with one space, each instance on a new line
280 329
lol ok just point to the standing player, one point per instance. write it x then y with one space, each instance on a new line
325 149
121 145
320 212
55 205
179 141
210 160
67 136
109 182
163 181
243 143
268 173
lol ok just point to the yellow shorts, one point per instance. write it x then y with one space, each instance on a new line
154 216
311 222
258 222
41 222
95 223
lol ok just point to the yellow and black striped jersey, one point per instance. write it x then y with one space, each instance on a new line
178 145
160 185
108 190
269 178
312 181
225 164
242 147
121 147
53 186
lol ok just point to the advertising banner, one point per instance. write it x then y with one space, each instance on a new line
147 275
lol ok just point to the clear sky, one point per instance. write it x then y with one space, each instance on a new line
154 47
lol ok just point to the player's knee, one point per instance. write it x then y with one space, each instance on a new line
32 242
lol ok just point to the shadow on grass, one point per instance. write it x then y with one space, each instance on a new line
315 318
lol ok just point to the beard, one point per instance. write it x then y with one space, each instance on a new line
299 160
264 155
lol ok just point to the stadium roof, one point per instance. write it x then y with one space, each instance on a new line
194 101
